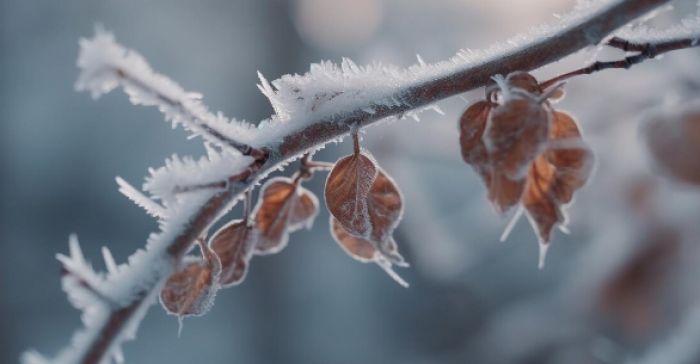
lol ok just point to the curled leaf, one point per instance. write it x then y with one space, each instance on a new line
190 291
347 187
233 244
572 159
284 207
525 152
364 251
555 176
503 192
385 208
673 140
540 203
471 126
304 211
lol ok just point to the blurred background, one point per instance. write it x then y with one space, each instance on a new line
616 289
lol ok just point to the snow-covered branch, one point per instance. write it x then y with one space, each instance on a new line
311 110
106 65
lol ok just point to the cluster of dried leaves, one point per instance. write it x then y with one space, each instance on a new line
526 152
284 206
365 207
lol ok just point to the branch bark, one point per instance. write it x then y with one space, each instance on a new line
586 32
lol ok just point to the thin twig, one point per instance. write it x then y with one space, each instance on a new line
320 165
588 31
247 205
644 51
308 166
219 185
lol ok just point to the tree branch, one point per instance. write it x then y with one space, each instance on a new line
174 244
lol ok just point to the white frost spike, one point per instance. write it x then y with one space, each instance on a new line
265 86
151 207
33 357
387 267
688 28
421 62
564 229
83 286
511 224
118 355
109 260
437 109
543 255
76 265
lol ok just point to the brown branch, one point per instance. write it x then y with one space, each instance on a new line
247 206
355 142
588 31
308 166
644 51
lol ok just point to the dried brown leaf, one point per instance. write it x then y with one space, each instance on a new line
284 206
674 143
572 159
347 187
554 177
190 291
503 192
385 207
233 244
516 133
304 211
357 248
634 295
523 81
471 126
539 201
365 251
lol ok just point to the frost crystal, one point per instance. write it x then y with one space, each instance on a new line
151 207
180 176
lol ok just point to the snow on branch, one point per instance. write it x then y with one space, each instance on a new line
311 110
181 175
98 296
688 28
